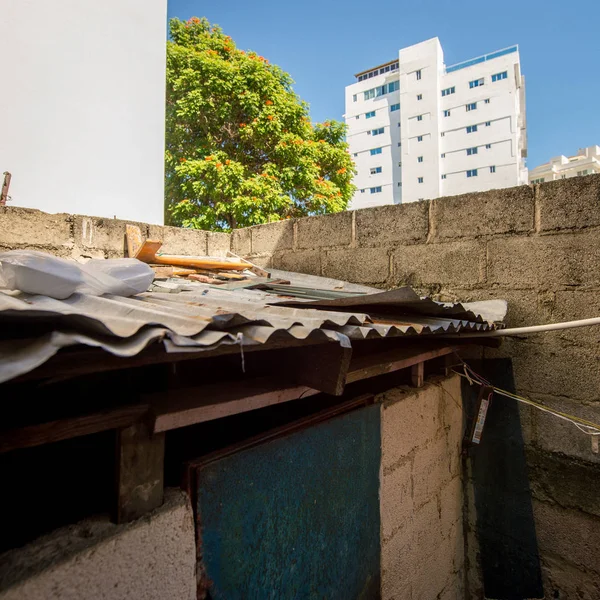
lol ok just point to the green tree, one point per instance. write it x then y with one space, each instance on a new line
240 147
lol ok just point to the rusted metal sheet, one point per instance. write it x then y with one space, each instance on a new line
294 517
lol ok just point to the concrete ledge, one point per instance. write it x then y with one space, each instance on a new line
153 558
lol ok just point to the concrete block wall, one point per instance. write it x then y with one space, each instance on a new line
422 547
539 248
153 558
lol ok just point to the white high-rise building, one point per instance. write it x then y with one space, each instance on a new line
419 130
585 162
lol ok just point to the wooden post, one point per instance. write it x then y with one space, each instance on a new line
140 471
417 374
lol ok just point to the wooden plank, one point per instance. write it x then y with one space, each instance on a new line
250 266
389 361
140 471
417 374
64 429
134 239
182 407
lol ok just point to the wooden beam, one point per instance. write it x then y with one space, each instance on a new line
140 471
64 429
381 363
417 374
182 407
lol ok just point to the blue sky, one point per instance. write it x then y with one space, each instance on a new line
323 43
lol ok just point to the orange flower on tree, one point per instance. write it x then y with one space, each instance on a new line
242 124
208 158
227 161
341 171
269 102
218 165
270 117
182 160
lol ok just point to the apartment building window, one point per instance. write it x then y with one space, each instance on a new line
540 180
472 173
419 138
399 184
356 154
448 91
493 169
393 86
376 190
488 146
357 117
362 191
443 155
580 173
446 113
471 106
420 179
399 144
419 159
369 94
378 131
471 128
370 114
418 74
400 164
419 117
354 98
488 123
471 151
394 107
476 83
419 96
398 123
375 170
487 100
499 76
442 134
375 151
444 176
381 90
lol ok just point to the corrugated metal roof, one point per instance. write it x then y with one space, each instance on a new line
200 317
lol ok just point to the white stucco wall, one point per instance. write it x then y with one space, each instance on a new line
82 105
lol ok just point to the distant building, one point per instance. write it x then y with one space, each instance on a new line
585 162
418 129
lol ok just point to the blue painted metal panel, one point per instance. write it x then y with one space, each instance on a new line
296 517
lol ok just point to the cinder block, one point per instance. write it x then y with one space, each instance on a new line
573 305
218 243
396 499
554 368
25 227
271 237
325 230
241 242
570 203
410 419
570 534
559 479
300 261
563 580
180 240
397 566
545 262
432 469
456 263
555 435
451 506
392 225
363 265
107 235
483 213
264 261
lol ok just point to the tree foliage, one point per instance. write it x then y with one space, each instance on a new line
240 147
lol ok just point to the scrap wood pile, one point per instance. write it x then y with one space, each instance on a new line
211 270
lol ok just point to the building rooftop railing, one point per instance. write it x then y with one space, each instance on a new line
480 59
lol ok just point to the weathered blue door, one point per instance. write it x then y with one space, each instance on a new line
295 517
